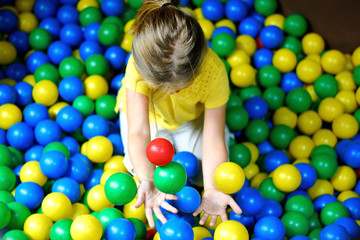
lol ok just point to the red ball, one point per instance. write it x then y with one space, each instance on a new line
160 152
259 44
357 171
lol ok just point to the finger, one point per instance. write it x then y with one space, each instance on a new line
223 216
203 218
167 206
197 211
149 217
213 220
159 215
171 197
140 200
235 206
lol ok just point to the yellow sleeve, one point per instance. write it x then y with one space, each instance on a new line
219 91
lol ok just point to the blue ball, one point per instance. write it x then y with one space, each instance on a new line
334 232
117 143
236 10
30 194
52 25
249 26
350 225
95 125
263 57
248 222
112 7
70 88
258 17
91 31
35 60
223 29
68 187
213 10
23 94
8 21
256 107
274 159
89 48
93 179
71 33
71 144
71 2
69 119
353 206
78 168
188 217
188 199
113 126
265 147
321 201
120 228
7 94
45 8
308 175
184 3
289 81
34 153
357 187
270 228
271 208
34 113
176 229
271 37
297 192
47 131
352 155
67 14
3 140
250 200
20 41
189 161
20 136
53 164
58 51
168 216
16 71
116 83
116 57
300 237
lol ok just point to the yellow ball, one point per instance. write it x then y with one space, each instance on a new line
82 4
157 236
345 126
275 20
324 137
243 75
30 172
207 222
357 96
330 108
24 5
246 43
198 13
333 61
285 60
97 199
30 80
226 23
95 86
54 109
301 160
229 177
258 179
301 147
310 89
285 116
207 26
7 53
253 150
83 148
346 195
128 25
309 122
8 81
344 179
45 92
130 211
231 229
348 99
308 70
313 43
38 226
238 57
348 65
99 149
126 42
346 81
56 206
79 209
251 170
201 233
27 22
356 57
314 57
86 227
320 187
287 178
115 163
106 175
9 115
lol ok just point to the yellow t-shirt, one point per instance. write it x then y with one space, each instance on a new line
210 89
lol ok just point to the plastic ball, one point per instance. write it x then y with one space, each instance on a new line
160 152
73 68
16 71
213 10
344 179
309 122
240 154
68 187
23 92
275 19
333 61
30 194
231 173
308 175
287 178
256 107
89 48
120 188
71 34
61 229
78 168
95 86
223 44
53 164
9 115
21 136
271 37
263 57
271 208
97 199
70 88
250 201
348 99
295 25
56 206
313 43
188 161
284 60
27 22
322 200
300 204
86 227
15 235
249 26
35 60
235 10
47 72
351 205
170 178
269 227
188 199
7 52
351 155
84 104
40 39
120 228
295 223
8 178
326 86
345 126
7 94
30 171
350 225
47 131
274 159
89 15
45 92
242 75
334 231
257 131
6 215
8 20
333 211
298 100
265 7
308 70
293 44
238 57
91 31
95 125
330 108
38 226
52 25
176 229
99 149
69 119
269 76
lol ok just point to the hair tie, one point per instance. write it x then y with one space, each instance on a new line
167 4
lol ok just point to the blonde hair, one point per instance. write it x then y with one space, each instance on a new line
168 45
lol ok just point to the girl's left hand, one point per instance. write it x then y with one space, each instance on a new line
214 203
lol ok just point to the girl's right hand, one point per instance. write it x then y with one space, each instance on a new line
148 194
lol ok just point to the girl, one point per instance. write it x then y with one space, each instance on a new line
175 87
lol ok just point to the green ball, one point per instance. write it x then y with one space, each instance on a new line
295 25
257 131
5 156
61 230
292 43
90 15
315 234
170 178
47 71
109 34
140 228
105 105
234 101
128 14
269 190
237 118
48 186
227 65
84 104
19 213
300 204
223 44
315 221
240 154
325 165
298 100
295 224
6 197
15 235
323 149
17 157
332 212
120 188
265 7
106 215
58 146
135 4
357 115
5 214
274 96
7 179
78 136
198 3
71 66
356 75
269 76
326 86
115 20
249 92
40 39
97 64
300 56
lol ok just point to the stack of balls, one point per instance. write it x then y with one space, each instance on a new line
293 109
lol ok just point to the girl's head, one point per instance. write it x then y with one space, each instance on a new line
168 45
